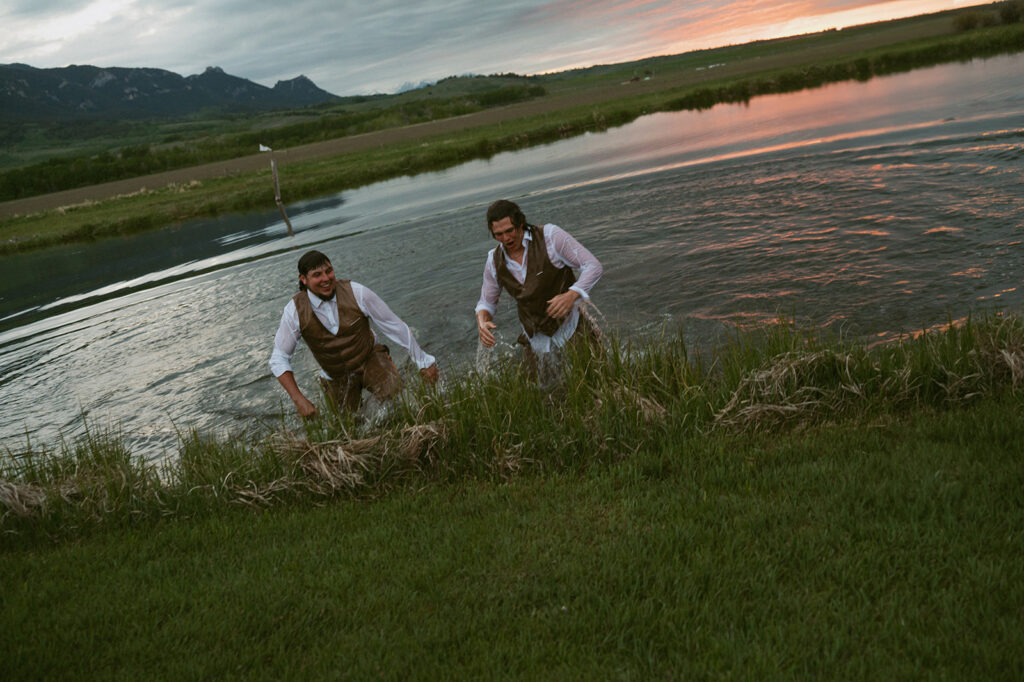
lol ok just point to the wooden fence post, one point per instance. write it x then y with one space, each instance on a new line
277 197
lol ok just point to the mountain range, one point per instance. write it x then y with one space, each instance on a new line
78 92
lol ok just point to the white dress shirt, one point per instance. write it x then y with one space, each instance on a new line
288 333
563 251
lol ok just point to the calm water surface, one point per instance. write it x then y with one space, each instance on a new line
878 208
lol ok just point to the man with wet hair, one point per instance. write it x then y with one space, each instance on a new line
535 266
333 317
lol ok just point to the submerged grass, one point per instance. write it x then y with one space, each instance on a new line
496 426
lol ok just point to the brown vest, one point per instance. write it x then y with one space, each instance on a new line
543 281
342 353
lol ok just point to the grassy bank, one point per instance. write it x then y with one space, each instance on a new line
156 207
495 427
793 507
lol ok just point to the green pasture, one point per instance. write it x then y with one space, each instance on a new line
792 507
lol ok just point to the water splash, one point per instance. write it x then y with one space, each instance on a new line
587 311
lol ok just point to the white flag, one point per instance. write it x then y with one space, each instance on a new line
265 148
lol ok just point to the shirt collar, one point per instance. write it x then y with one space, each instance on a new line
317 301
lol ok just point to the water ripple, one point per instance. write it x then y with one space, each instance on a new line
878 208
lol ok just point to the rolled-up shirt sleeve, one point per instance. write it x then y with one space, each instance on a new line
489 289
563 247
285 341
388 322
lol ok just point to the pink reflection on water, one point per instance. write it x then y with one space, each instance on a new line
795 120
883 338
869 233
996 295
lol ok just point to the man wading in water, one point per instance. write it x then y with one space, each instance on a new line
535 266
333 317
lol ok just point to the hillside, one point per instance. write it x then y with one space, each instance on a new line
74 93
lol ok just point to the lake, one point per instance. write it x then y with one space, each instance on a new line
876 209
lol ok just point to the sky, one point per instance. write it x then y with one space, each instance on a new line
352 47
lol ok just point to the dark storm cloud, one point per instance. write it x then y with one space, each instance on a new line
352 47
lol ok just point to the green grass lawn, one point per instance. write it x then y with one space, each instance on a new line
793 507
884 551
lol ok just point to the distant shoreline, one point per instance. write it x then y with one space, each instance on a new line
243 184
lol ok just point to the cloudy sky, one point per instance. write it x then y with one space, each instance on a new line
366 46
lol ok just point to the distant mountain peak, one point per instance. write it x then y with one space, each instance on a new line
81 91
302 89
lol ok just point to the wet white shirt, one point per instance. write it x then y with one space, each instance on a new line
563 251
288 333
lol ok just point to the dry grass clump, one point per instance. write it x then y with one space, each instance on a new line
100 484
21 499
952 366
342 466
1000 348
629 398
88 481
322 469
792 387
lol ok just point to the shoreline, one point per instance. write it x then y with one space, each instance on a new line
779 379
241 185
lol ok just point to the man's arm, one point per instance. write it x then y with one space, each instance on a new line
395 329
562 246
285 341
302 403
484 325
490 290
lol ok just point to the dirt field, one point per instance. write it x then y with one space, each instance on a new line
302 153
841 43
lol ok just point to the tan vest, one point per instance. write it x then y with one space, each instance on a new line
342 353
542 282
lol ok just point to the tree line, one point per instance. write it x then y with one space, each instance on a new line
56 174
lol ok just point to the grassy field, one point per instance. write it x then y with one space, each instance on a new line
577 102
888 552
794 507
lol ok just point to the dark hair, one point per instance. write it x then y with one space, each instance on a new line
503 208
310 260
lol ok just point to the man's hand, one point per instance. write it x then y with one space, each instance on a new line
484 325
561 305
430 374
306 409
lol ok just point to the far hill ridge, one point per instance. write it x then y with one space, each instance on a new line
74 92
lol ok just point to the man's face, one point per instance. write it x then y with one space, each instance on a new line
320 280
510 236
